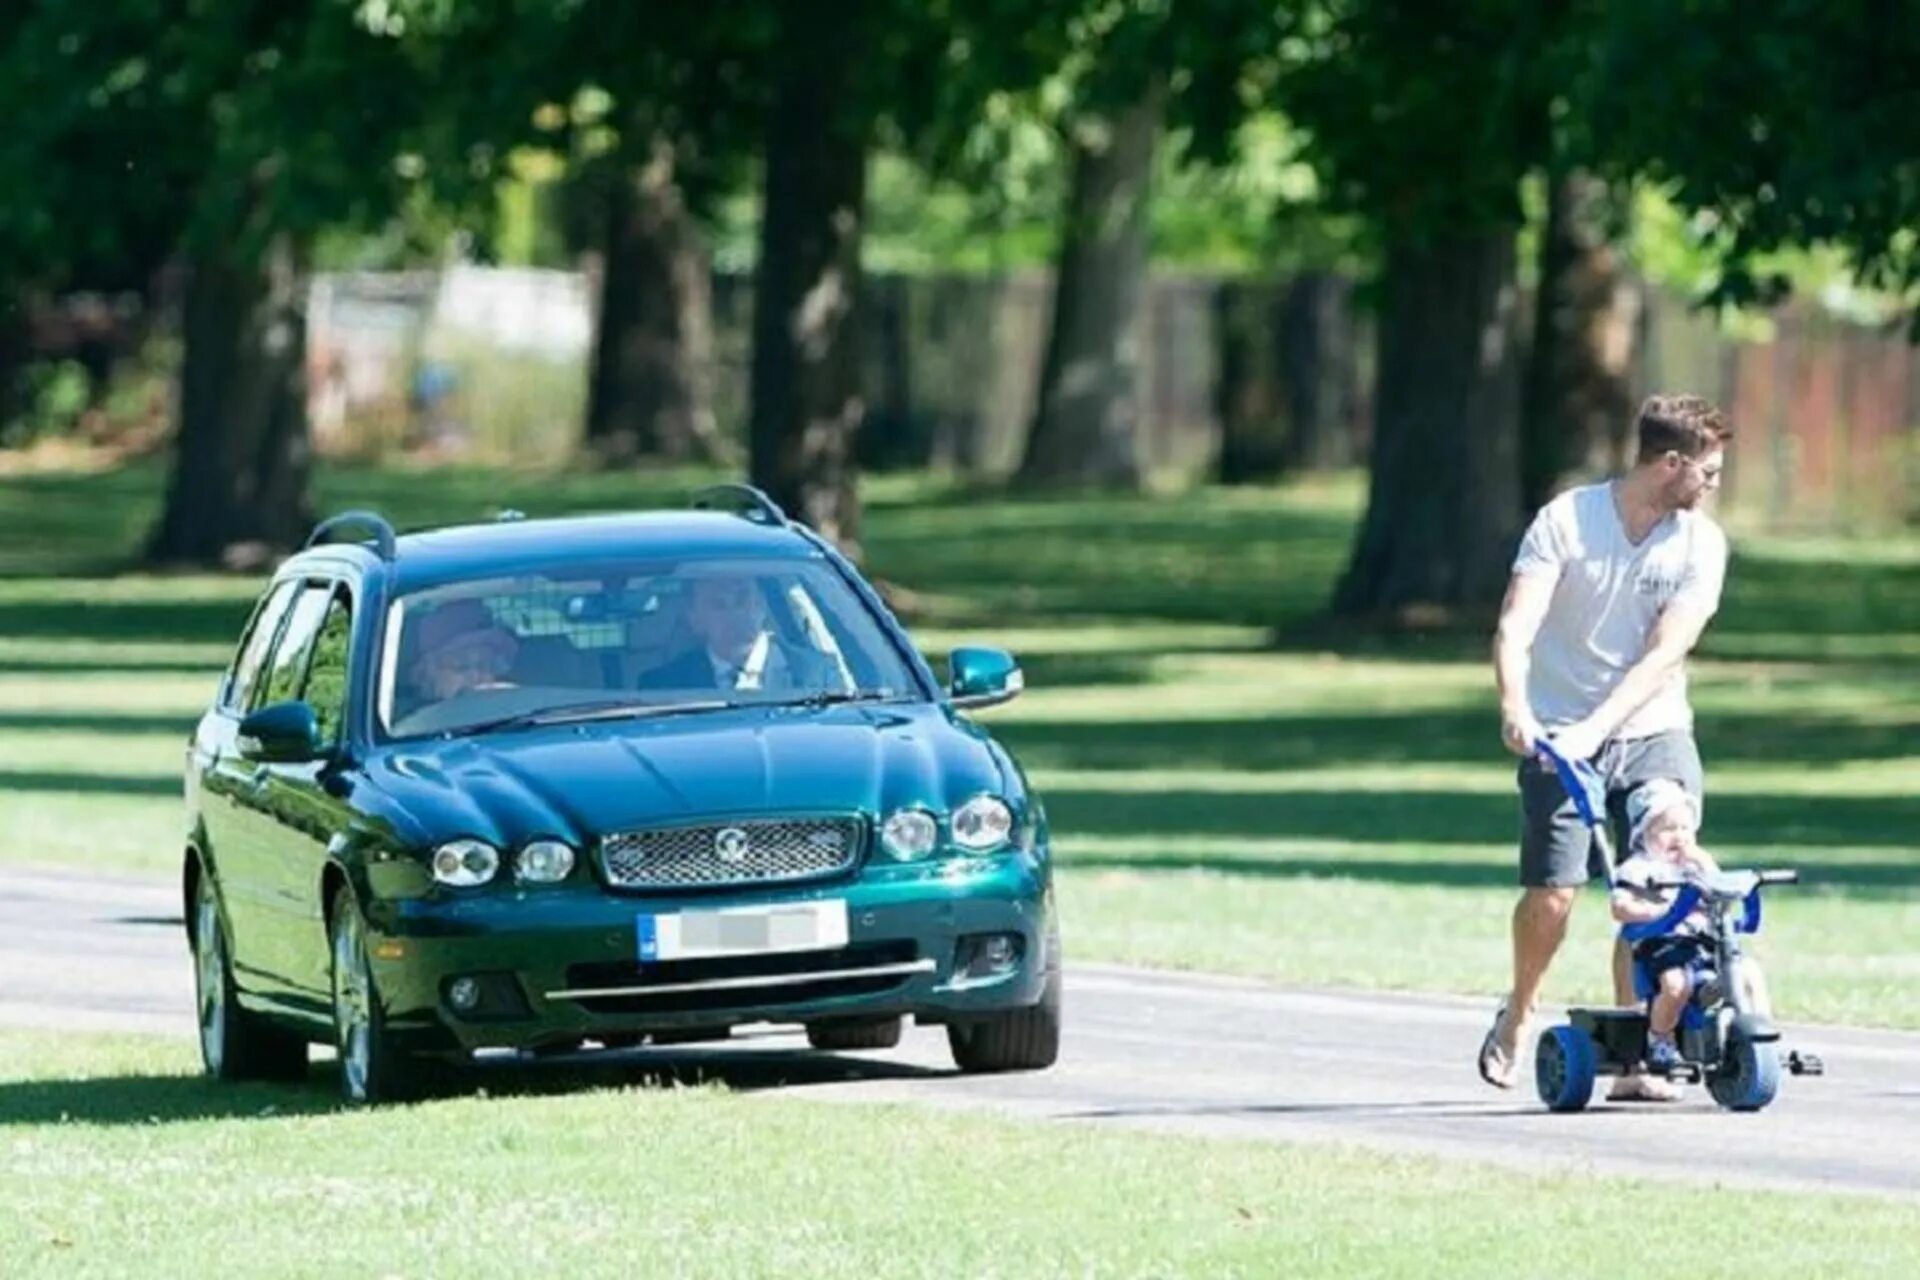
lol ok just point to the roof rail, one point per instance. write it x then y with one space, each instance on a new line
378 531
741 500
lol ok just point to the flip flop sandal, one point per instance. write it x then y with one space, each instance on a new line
1497 1067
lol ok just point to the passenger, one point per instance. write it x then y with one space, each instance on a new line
462 650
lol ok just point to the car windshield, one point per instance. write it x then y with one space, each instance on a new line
599 641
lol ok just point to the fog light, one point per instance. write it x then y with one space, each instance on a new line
463 994
989 955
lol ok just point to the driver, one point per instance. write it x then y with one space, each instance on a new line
736 647
462 649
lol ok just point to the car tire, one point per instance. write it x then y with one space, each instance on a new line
234 1044
373 1068
854 1033
1023 1040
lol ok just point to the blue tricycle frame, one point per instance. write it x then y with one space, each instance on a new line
1723 1040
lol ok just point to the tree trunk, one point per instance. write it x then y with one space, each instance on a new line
651 389
1251 402
1443 499
1578 406
1318 373
1087 426
806 402
1288 378
238 490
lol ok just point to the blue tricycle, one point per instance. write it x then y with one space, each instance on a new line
1723 1039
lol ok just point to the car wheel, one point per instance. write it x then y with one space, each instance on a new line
854 1033
1023 1040
373 1069
234 1044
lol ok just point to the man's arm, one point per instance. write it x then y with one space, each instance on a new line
1521 613
1675 633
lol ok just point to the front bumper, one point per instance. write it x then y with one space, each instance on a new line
561 964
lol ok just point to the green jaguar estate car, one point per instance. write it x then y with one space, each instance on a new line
603 781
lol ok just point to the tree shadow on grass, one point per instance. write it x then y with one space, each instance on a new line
185 1099
1450 818
1446 736
131 784
1869 880
157 619
98 721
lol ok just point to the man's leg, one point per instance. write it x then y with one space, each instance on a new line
1539 927
1554 846
1623 993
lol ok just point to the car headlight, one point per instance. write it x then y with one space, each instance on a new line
909 833
544 862
465 863
982 823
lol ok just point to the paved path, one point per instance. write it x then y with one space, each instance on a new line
1148 1049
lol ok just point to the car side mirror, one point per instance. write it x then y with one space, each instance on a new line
983 677
284 733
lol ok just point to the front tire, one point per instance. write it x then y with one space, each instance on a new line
1563 1069
1749 1074
1023 1040
373 1069
234 1044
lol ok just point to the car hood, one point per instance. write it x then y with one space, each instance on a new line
582 781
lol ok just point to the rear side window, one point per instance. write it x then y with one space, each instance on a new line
326 688
288 666
253 649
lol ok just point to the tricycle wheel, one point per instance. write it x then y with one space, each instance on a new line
1748 1076
1563 1069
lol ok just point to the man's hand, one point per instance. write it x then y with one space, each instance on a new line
1520 731
1580 740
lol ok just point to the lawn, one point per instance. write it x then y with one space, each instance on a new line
113 1150
1231 787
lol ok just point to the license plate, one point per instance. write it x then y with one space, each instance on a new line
743 931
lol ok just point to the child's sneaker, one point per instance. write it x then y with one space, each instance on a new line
1663 1055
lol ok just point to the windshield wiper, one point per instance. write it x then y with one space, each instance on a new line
584 711
838 697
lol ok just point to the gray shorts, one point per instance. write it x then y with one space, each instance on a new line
1556 849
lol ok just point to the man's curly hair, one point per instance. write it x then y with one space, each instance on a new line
1686 425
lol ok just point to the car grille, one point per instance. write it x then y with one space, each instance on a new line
622 974
721 854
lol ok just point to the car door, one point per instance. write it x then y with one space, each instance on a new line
308 804
224 779
253 841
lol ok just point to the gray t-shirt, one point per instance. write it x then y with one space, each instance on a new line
1608 592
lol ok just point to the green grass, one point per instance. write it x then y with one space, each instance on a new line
116 1158
1231 788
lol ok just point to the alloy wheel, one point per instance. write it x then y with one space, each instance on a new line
210 976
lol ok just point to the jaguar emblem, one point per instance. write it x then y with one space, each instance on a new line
731 845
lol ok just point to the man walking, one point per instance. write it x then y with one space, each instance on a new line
1612 586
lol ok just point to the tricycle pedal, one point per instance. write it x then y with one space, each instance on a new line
1805 1064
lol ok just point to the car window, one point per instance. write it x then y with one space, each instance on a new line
326 687
289 662
259 638
740 630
